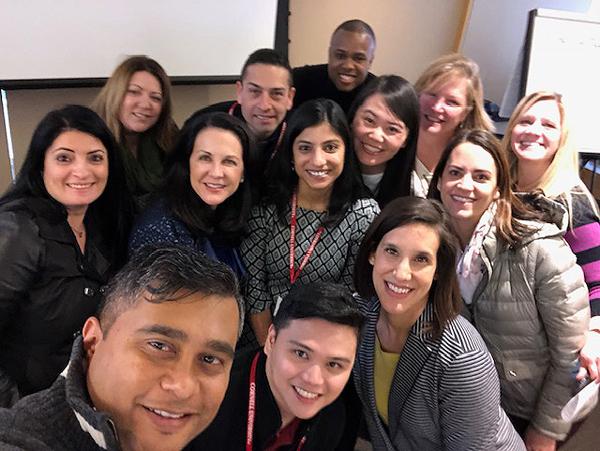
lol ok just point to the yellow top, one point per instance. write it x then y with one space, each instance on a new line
385 367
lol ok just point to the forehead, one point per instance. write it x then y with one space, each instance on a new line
413 238
449 85
351 41
322 337
201 318
547 108
267 76
377 104
77 141
473 157
320 132
146 80
216 139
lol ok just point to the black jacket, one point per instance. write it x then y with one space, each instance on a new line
47 290
228 431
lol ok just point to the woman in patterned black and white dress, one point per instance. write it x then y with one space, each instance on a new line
313 216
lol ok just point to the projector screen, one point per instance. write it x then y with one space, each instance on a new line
563 55
73 42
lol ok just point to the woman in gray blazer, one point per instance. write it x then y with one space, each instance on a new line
423 373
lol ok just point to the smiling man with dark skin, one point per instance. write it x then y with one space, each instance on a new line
150 372
351 53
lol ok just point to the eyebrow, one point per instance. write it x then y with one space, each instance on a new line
397 123
221 347
71 150
167 331
142 88
309 349
226 156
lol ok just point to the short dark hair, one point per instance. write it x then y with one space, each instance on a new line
322 300
445 292
282 180
228 219
160 273
269 57
402 100
357 26
113 211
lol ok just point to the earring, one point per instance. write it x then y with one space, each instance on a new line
293 167
242 179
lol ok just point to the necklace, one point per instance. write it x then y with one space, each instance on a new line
78 233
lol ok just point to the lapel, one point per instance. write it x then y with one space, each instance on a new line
418 348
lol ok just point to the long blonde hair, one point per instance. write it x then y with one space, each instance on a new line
108 102
561 179
454 65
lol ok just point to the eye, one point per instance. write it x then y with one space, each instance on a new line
550 125
482 177
452 103
63 158
340 55
453 172
97 158
304 148
394 130
230 162
277 95
254 91
157 99
159 346
211 360
422 259
204 157
335 365
331 147
134 92
390 250
369 120
301 354
360 58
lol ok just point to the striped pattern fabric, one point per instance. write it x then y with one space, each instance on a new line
445 394
583 237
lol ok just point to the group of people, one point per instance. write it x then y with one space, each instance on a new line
400 268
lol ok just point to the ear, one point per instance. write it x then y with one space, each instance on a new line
238 91
496 194
291 94
92 335
372 258
438 184
270 341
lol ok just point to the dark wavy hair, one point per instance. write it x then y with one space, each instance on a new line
229 218
444 292
402 100
113 211
281 180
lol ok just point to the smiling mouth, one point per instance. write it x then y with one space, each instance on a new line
263 118
141 115
79 185
347 78
305 393
370 149
433 119
166 414
317 174
397 289
462 199
216 186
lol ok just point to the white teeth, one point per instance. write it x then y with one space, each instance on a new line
140 115
305 394
79 185
371 149
461 199
347 77
317 173
263 118
433 119
165 414
397 289
214 185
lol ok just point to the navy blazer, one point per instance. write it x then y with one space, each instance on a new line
445 393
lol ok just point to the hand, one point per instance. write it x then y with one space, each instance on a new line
536 441
589 357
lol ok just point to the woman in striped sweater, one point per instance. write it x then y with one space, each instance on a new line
424 375
543 157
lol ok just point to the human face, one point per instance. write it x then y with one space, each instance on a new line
142 103
265 96
444 107
75 170
536 134
318 154
378 134
308 364
161 370
468 185
404 265
216 165
350 58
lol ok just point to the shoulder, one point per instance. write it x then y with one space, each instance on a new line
461 336
583 206
365 207
302 72
222 107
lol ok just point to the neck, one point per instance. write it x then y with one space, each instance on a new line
529 175
131 142
430 148
75 217
464 230
372 170
286 416
311 199
393 331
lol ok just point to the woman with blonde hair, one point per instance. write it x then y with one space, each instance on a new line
542 157
451 98
135 103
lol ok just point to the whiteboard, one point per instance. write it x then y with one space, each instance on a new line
563 55
79 39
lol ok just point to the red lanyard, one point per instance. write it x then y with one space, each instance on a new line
281 132
252 407
293 273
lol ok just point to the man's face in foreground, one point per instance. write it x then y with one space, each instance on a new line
161 370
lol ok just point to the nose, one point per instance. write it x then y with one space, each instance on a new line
216 170
466 182
264 102
402 270
377 134
439 104
535 128
313 375
80 168
180 380
318 158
